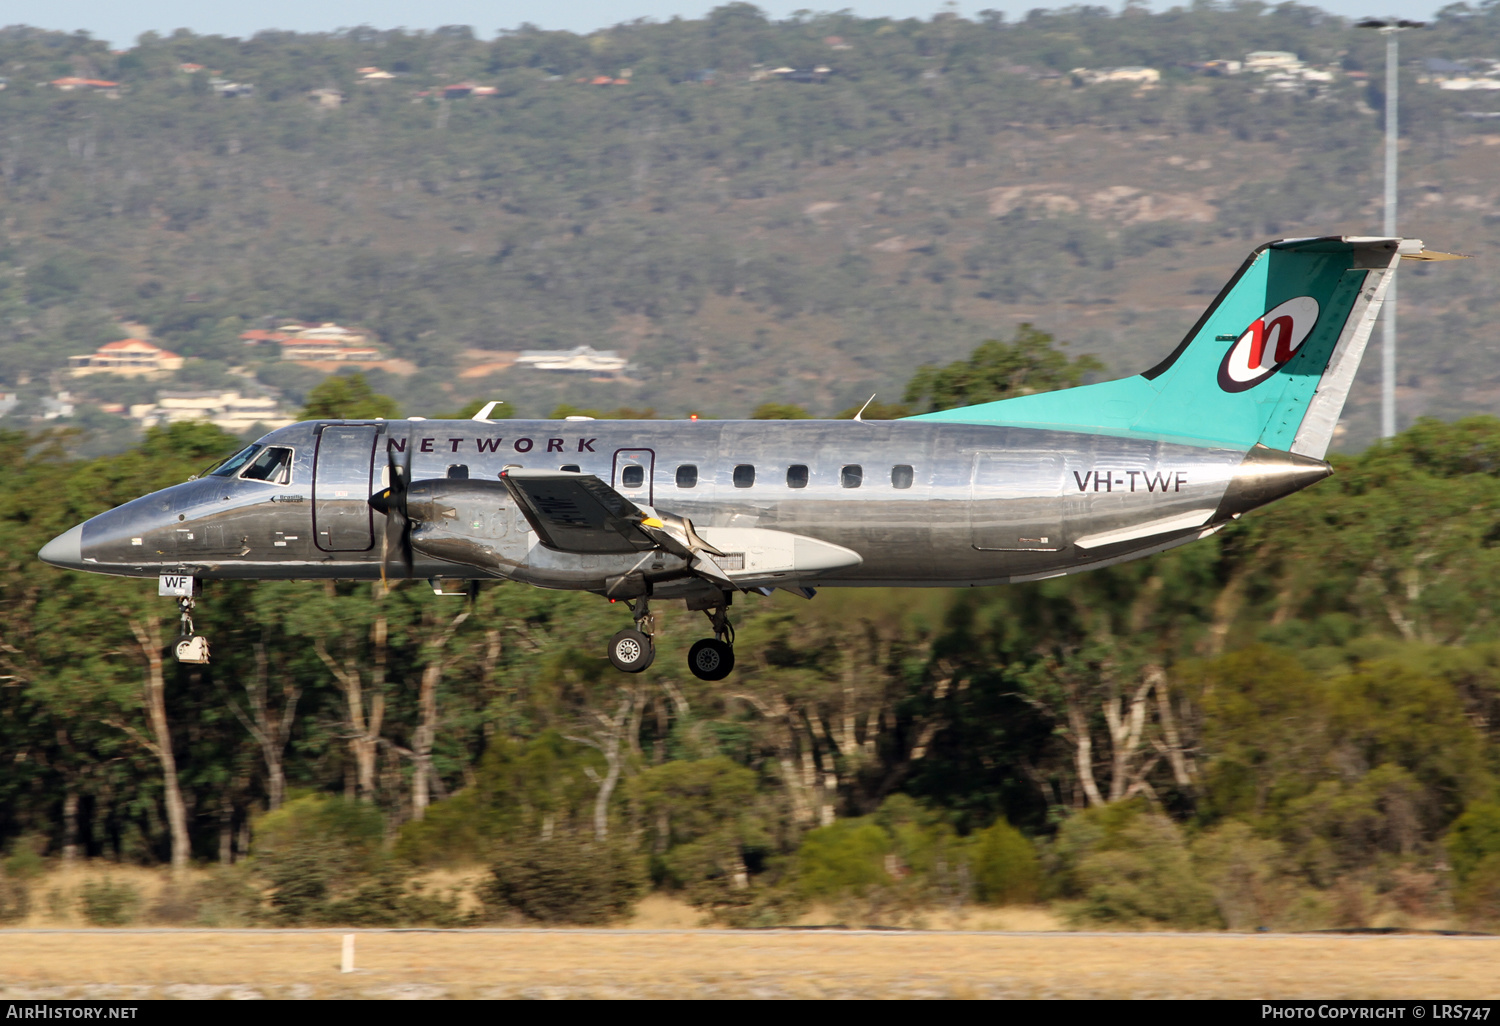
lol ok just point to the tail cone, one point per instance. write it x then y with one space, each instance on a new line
1265 476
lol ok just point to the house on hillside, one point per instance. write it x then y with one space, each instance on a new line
60 405
231 411
325 97
466 89
1460 76
583 359
1258 61
129 357
328 331
224 87
324 342
1221 69
1131 75
89 85
322 349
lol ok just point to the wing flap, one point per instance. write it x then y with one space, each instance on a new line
577 512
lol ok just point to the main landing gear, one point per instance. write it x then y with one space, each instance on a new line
713 658
632 650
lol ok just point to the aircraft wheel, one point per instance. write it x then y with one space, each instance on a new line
711 659
631 651
192 650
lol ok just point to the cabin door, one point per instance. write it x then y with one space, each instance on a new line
342 518
634 475
1016 502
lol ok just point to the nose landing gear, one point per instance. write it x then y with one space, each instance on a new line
190 648
713 658
632 650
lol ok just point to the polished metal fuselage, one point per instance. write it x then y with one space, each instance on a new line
984 505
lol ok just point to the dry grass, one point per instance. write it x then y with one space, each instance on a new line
55 902
664 952
54 896
616 963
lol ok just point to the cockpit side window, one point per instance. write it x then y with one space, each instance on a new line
233 465
273 465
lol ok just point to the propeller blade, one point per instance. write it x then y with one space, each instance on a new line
406 553
392 503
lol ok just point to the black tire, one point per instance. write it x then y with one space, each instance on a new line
711 659
631 651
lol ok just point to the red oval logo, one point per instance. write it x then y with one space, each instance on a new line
1267 344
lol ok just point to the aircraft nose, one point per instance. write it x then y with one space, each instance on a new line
66 550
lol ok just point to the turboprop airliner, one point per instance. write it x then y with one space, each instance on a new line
1240 414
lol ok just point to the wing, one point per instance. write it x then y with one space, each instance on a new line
578 512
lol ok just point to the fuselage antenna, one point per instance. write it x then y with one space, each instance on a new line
483 416
860 416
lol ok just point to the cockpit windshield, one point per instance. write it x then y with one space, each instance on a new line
274 465
232 466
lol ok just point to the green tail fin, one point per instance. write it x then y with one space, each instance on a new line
1270 362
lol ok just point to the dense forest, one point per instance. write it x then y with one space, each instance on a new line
740 238
1290 725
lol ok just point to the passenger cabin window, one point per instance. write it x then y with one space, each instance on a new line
232 466
273 465
570 468
458 472
852 476
901 476
796 476
687 476
633 476
744 475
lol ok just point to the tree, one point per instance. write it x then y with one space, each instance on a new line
270 729
779 411
348 398
999 370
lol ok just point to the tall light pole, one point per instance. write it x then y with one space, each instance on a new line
1389 27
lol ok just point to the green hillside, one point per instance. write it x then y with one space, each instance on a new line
738 236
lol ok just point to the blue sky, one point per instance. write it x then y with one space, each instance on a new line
120 23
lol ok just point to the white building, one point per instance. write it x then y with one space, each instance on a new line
129 357
1271 60
1132 74
231 411
1469 83
60 405
583 358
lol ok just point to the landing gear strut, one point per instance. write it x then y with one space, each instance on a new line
713 658
632 650
191 648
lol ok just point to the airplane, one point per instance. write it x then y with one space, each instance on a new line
1240 414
